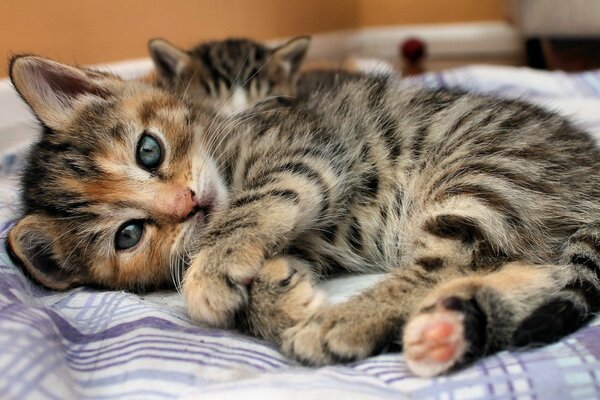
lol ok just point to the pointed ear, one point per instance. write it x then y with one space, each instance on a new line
30 244
291 54
53 90
169 60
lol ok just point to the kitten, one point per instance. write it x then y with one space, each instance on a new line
227 76
232 75
484 212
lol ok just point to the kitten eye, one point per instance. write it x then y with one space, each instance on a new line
129 235
149 152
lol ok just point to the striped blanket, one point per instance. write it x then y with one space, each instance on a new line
91 344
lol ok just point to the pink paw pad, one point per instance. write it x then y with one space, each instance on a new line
436 335
434 341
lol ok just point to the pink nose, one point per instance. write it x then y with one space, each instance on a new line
184 203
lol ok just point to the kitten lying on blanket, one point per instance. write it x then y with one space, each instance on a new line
231 75
482 210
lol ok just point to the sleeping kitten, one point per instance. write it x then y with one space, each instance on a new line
227 76
231 75
484 212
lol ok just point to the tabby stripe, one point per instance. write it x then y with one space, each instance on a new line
398 202
57 147
522 181
418 140
329 233
207 61
423 276
384 122
377 93
328 151
489 197
281 193
355 239
370 184
462 121
383 215
587 262
228 226
296 168
592 242
514 121
248 164
453 226
388 128
379 239
452 144
588 291
332 265
214 236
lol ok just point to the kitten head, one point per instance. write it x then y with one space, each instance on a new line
229 75
117 184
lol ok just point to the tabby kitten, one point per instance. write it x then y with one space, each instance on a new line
484 212
232 75
227 76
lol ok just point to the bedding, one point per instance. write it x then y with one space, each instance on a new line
93 344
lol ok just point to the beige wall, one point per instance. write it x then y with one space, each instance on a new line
399 12
88 31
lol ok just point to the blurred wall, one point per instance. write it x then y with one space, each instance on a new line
403 12
86 31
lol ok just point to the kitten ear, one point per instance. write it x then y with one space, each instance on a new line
169 60
53 90
291 54
30 244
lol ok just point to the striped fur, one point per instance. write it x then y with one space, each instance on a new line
481 209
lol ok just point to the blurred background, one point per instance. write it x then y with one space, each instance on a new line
541 33
91 32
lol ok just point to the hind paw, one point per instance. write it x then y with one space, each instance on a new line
443 336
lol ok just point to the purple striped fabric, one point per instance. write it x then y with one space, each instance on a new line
115 345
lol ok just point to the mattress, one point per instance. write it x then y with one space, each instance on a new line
92 344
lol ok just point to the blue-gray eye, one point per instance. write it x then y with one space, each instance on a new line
149 152
129 235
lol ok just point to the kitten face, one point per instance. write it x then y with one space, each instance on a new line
117 185
228 76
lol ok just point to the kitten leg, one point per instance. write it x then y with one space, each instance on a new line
519 305
364 325
282 295
461 320
450 247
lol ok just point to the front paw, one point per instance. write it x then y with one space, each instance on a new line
215 287
282 295
213 299
340 334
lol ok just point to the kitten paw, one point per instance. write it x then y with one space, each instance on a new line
443 336
288 283
213 299
282 295
215 287
339 334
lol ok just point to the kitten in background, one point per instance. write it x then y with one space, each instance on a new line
227 76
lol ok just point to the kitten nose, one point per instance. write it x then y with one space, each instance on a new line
185 203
